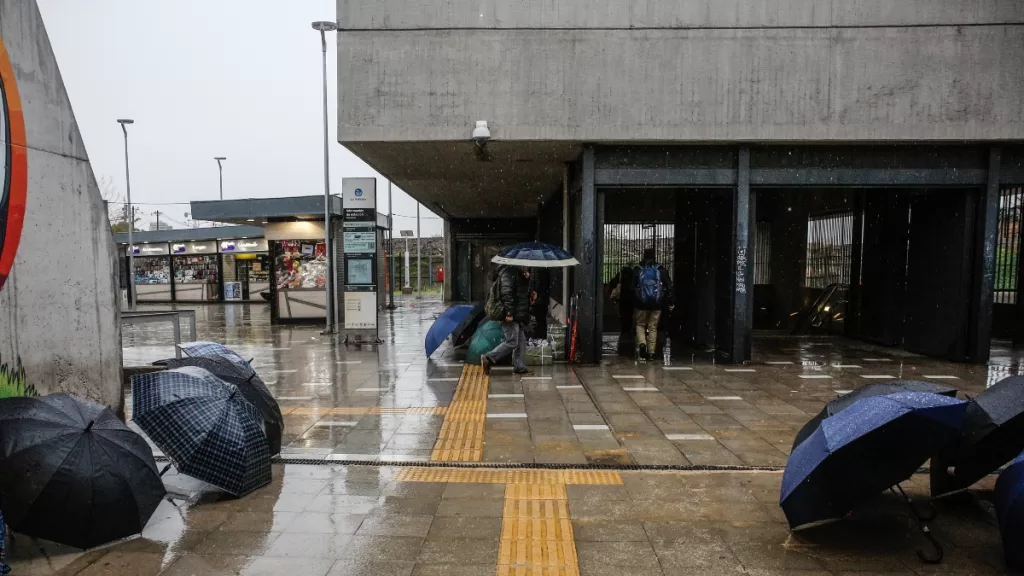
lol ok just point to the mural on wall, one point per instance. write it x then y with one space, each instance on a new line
15 164
12 203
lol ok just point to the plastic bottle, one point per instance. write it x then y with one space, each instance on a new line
668 351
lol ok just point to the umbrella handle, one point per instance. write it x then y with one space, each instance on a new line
937 557
926 517
166 468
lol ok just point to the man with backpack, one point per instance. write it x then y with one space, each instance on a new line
652 288
509 303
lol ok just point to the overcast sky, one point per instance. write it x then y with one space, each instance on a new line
202 78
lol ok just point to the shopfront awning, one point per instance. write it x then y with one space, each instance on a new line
258 211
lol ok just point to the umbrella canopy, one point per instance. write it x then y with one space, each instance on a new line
207 429
992 435
870 446
465 330
1009 501
202 348
444 326
73 473
252 388
536 255
879 389
484 340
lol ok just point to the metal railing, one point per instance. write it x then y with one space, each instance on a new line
132 318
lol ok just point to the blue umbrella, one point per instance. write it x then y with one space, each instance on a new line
535 255
1009 497
872 445
205 426
445 324
202 348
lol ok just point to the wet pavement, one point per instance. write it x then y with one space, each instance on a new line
354 493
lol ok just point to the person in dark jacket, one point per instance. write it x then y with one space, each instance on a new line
514 291
653 289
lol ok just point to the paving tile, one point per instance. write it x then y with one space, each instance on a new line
465 527
611 553
395 525
472 507
459 551
236 543
604 531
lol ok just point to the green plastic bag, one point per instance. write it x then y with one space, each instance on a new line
487 336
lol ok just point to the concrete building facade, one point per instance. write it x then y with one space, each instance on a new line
59 314
717 118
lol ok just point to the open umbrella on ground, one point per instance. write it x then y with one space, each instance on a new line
252 388
483 341
863 450
205 426
73 473
878 389
201 348
535 255
1009 501
444 325
992 435
465 330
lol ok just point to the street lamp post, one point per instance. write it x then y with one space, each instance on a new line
220 169
124 122
391 251
323 28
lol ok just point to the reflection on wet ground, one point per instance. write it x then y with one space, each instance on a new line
393 406
390 404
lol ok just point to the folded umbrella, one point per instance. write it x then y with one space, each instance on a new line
202 348
73 473
992 435
1009 501
465 330
535 255
205 426
878 389
252 388
444 325
484 340
863 450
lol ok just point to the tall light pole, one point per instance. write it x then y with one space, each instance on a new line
124 122
419 281
220 169
391 251
323 28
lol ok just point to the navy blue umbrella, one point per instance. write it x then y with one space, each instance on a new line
445 324
202 348
1009 499
535 255
205 426
872 445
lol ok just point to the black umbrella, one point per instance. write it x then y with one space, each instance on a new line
73 473
251 387
993 434
205 426
878 389
465 330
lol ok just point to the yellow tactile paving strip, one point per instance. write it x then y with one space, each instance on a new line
462 433
356 411
495 476
536 533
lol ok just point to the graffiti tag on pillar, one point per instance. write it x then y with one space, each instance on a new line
741 270
15 166
588 251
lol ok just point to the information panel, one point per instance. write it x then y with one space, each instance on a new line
359 223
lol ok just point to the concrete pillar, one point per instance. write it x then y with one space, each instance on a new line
742 273
986 225
588 273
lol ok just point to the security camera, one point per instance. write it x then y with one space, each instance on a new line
481 134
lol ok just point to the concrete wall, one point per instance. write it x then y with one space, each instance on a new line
657 70
58 308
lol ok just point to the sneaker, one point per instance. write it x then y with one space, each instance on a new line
642 351
522 372
486 364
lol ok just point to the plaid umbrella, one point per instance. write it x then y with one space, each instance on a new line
202 348
207 429
249 384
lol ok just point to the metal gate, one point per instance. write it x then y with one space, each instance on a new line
829 249
1011 205
624 245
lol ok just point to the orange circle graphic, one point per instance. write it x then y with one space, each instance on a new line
15 184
